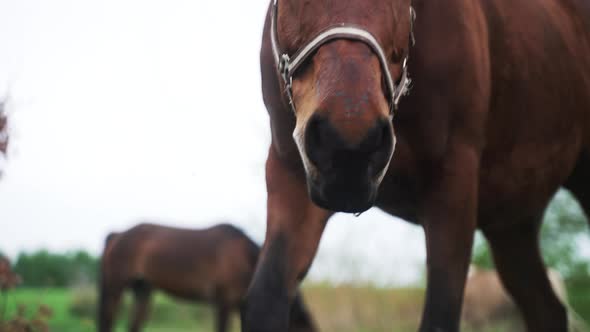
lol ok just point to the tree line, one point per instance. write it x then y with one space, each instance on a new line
564 232
46 269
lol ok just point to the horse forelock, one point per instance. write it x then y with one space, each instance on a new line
300 20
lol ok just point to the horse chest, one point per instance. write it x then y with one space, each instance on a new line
522 178
518 174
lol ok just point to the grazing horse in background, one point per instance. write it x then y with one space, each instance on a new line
497 119
213 265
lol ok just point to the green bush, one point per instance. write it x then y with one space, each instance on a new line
83 303
45 269
564 227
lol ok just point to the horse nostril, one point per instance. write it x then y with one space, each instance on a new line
377 137
322 134
321 138
326 148
313 131
380 146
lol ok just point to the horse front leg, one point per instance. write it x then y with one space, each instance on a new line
449 225
294 228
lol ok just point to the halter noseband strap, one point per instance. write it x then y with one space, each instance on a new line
287 66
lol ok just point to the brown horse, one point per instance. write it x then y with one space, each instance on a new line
213 265
497 119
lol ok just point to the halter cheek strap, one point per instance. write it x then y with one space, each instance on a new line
288 65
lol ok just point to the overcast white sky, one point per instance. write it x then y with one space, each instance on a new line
123 110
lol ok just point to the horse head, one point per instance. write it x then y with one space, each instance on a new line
343 64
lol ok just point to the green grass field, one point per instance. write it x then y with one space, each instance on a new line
73 311
335 309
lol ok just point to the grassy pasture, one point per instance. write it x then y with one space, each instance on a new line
335 309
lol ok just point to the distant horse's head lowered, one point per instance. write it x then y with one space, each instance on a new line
343 71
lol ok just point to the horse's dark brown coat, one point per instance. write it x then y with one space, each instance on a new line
213 265
497 120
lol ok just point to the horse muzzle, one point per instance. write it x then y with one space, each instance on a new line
345 177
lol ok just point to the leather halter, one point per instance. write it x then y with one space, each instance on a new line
288 65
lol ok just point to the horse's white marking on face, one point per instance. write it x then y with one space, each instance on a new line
298 137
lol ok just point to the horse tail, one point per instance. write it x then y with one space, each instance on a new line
108 245
110 238
107 295
106 253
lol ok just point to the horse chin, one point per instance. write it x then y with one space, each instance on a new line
340 195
